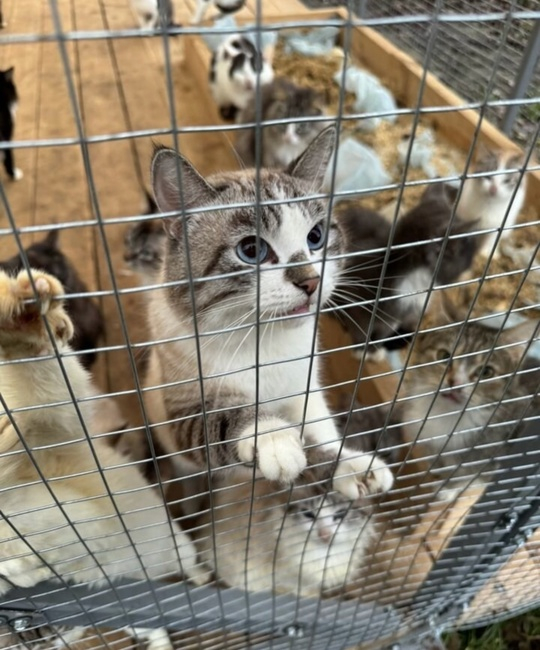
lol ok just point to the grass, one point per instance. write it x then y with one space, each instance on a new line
520 633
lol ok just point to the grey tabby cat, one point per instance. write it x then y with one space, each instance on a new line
244 364
464 426
281 143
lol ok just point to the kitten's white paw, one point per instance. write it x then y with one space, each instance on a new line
280 454
358 476
17 174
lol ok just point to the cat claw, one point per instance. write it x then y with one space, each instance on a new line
280 454
360 476
19 310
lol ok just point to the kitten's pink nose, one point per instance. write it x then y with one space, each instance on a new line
324 534
492 190
309 285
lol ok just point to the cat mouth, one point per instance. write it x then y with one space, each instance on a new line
301 309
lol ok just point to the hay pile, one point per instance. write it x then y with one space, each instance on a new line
496 294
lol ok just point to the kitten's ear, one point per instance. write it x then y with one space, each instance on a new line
176 183
311 165
8 74
52 239
446 307
521 335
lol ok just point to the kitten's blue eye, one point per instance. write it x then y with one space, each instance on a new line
309 514
340 514
315 238
247 250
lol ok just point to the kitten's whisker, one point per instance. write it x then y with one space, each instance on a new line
379 312
344 313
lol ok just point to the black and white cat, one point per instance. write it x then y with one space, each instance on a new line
234 68
8 109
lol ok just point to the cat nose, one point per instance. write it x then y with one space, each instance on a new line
324 534
309 285
493 190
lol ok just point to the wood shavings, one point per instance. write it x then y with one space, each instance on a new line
495 294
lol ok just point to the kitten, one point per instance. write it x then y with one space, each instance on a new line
151 13
235 69
61 527
8 108
224 6
280 143
144 244
83 312
223 242
261 537
488 199
413 265
462 427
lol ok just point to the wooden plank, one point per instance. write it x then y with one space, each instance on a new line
116 184
23 16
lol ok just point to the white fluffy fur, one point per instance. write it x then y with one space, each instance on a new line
489 199
35 532
147 12
262 547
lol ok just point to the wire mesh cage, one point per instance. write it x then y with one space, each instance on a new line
268 322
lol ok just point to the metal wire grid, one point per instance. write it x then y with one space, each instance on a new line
183 608
461 55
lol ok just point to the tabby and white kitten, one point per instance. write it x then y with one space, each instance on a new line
8 108
462 427
70 526
223 6
151 13
488 199
241 363
305 541
283 142
235 69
